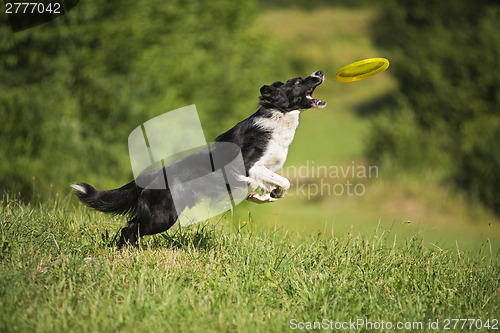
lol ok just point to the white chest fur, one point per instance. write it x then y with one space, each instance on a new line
282 127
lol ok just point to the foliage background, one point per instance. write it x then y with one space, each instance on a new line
73 89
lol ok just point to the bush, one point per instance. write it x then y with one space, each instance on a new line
445 57
398 142
480 160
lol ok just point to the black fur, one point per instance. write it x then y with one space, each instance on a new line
113 201
152 210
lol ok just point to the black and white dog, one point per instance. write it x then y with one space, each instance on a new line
263 139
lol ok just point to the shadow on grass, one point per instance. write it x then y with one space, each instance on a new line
198 237
201 237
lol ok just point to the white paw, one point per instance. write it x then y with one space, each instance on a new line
286 184
261 198
278 192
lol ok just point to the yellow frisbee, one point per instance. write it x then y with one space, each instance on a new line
362 69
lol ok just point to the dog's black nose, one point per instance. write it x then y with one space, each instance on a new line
319 73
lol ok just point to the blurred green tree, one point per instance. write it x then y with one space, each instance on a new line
72 90
446 57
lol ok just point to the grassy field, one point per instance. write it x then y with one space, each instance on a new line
408 250
59 274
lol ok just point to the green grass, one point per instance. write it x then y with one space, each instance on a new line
58 273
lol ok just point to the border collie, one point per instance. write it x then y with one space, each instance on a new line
263 139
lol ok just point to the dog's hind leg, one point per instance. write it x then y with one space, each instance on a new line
129 234
156 212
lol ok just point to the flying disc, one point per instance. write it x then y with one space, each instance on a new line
362 69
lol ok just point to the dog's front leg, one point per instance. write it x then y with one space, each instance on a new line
273 185
278 185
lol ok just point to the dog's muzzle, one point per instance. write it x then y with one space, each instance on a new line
316 102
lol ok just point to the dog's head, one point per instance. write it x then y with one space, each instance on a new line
295 94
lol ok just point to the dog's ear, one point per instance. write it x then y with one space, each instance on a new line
267 90
267 93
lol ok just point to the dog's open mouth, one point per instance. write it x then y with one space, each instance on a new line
315 102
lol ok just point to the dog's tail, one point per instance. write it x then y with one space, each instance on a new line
122 200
